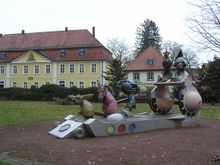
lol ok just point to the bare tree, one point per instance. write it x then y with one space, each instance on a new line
170 46
120 50
205 25
191 58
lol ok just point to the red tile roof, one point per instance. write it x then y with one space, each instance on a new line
48 40
50 43
139 64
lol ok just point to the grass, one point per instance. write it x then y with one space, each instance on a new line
15 112
3 163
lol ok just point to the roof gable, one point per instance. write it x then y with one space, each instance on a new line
31 57
48 40
150 59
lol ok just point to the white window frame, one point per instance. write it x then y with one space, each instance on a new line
81 84
150 76
136 76
25 69
93 84
2 69
62 68
71 68
81 68
63 82
35 69
93 68
13 69
47 69
36 84
25 84
2 84
71 84
14 84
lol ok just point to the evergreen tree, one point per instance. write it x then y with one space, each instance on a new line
211 81
115 72
147 30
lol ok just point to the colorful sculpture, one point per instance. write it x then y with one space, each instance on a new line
161 98
114 122
87 109
109 104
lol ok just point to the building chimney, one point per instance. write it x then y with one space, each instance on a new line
1 35
93 31
22 31
66 29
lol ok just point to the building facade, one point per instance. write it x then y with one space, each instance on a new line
146 67
67 58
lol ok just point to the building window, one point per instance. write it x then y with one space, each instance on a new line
15 70
93 68
62 83
81 68
25 69
93 84
2 69
150 76
150 61
2 84
25 85
136 76
82 52
36 69
36 84
14 84
81 84
63 53
71 84
72 69
62 68
47 69
47 83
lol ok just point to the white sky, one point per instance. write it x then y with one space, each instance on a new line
112 18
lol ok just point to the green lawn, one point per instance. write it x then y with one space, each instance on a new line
3 163
14 112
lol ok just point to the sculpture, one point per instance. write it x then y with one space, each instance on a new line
109 104
180 63
167 63
161 99
115 123
87 109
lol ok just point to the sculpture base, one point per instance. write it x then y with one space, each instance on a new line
99 126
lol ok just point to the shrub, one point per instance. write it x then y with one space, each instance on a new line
46 93
53 90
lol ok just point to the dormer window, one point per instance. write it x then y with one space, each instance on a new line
82 52
3 55
63 53
150 61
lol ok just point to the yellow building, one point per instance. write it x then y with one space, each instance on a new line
67 58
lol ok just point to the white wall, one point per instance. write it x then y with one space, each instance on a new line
143 76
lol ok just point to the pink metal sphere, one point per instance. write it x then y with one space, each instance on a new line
164 104
192 101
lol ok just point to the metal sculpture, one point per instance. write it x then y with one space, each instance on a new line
109 104
161 98
114 122
87 109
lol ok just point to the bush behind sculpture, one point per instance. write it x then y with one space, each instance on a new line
44 93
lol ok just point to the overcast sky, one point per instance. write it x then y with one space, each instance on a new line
112 18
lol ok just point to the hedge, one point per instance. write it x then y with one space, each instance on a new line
45 93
